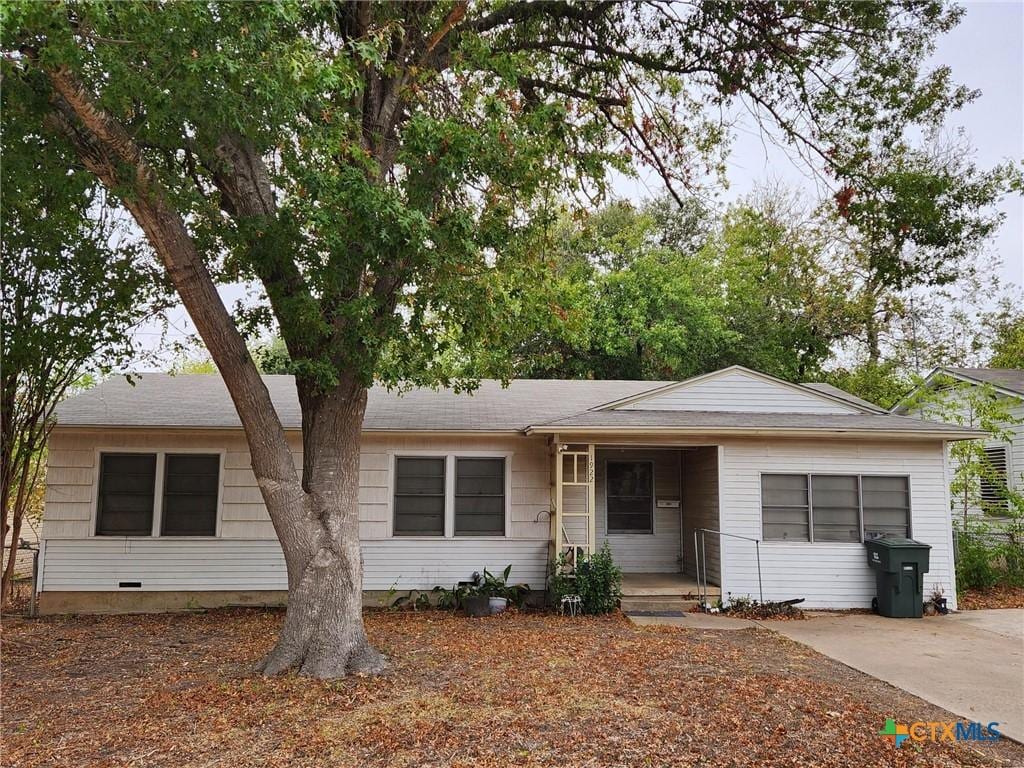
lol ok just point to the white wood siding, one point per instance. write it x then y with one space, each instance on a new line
700 509
643 552
98 564
738 391
1016 468
828 575
246 555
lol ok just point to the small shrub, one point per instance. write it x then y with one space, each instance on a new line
975 567
988 556
562 581
597 580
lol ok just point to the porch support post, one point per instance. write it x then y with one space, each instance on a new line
556 475
591 499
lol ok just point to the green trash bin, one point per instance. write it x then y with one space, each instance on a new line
899 565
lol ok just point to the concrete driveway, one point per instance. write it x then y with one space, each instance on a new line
971 663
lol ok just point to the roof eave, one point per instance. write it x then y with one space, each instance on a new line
899 434
238 428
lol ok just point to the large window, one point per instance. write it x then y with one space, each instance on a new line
130 486
834 508
419 496
479 497
127 485
191 481
630 496
450 495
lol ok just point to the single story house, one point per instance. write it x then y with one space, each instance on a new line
764 485
1005 452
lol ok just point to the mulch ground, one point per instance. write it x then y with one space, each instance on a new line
993 597
509 690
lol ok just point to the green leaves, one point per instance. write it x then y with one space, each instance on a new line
412 154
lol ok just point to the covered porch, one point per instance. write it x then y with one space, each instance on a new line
646 500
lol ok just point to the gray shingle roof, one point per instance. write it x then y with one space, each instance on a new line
198 401
1007 378
729 420
161 400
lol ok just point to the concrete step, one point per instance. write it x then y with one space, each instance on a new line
685 593
657 604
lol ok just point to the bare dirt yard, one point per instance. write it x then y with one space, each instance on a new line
510 690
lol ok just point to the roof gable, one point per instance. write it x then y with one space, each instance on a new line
738 390
1007 381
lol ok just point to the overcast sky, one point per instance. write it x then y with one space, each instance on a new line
986 52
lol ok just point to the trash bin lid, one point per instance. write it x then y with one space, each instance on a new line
897 543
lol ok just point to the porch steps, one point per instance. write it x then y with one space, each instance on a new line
657 605
662 593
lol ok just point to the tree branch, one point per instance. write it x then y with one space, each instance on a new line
107 150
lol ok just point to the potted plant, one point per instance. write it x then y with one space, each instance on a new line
482 595
499 592
939 601
473 598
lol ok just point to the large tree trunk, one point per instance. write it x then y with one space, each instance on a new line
323 634
316 520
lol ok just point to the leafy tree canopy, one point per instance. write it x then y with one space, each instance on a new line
1008 343
665 296
411 151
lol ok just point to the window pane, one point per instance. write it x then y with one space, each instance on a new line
835 507
784 490
419 496
886 506
125 504
191 484
479 497
630 496
784 508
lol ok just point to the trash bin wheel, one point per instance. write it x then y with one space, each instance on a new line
874 605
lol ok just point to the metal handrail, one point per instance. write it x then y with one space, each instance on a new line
702 561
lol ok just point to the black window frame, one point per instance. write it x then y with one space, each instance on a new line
165 493
99 529
865 534
397 493
456 496
613 531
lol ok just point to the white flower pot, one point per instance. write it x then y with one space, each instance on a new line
497 604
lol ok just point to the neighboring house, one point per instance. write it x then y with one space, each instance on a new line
151 502
1005 452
